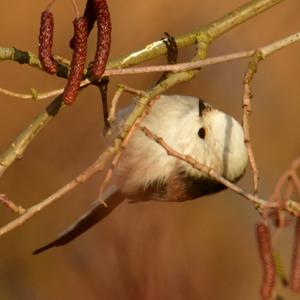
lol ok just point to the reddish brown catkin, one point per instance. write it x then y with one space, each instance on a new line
46 42
78 60
295 270
90 15
103 39
267 260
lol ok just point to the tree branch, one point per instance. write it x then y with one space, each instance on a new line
17 148
97 166
207 34
203 37
293 207
258 56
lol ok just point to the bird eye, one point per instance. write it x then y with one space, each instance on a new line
202 133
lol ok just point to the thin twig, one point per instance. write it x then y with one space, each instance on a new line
11 205
17 148
209 33
102 86
277 45
291 206
181 66
19 145
76 9
202 168
122 147
259 55
289 177
50 4
252 68
264 51
39 96
97 166
121 88
34 94
133 91
138 70
103 158
202 37
113 107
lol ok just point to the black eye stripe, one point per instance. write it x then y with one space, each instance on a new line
202 133
202 107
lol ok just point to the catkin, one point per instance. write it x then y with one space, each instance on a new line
267 260
78 60
295 270
90 15
46 42
103 38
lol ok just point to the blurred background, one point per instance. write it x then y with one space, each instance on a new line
203 249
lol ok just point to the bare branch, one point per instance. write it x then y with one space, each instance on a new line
289 178
203 37
11 205
34 95
207 34
140 107
252 68
267 50
291 206
17 148
181 66
114 102
261 54
213 174
122 147
97 166
295 267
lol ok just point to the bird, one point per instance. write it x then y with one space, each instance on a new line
145 171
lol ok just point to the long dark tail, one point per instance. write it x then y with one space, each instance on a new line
95 214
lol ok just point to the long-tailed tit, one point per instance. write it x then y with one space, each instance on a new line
145 171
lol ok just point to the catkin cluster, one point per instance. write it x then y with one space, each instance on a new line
96 10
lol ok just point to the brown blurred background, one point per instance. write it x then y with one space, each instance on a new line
202 249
